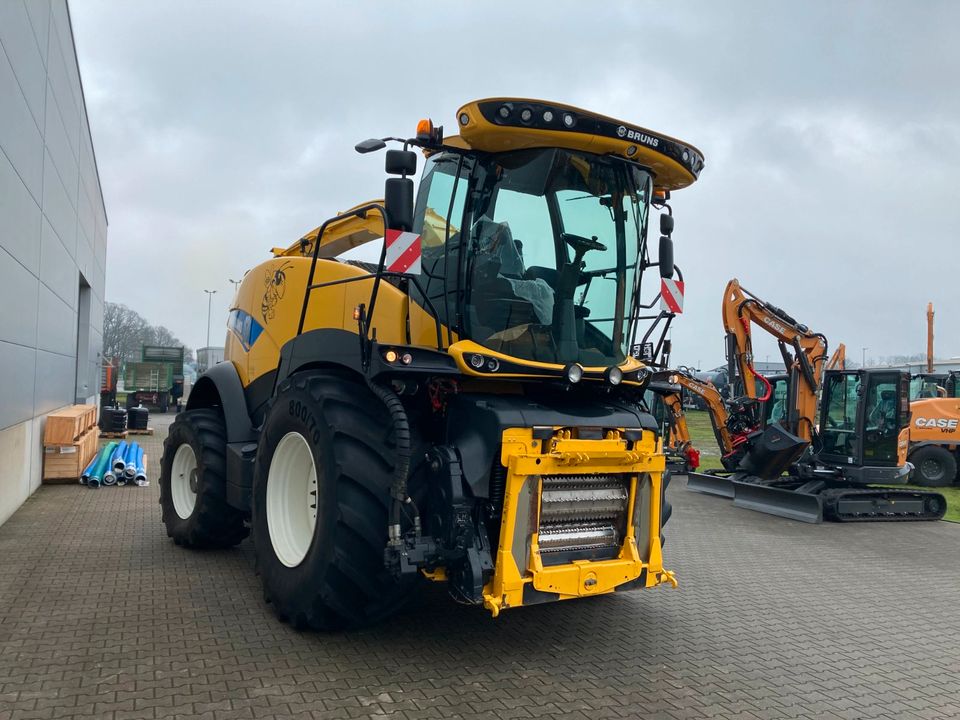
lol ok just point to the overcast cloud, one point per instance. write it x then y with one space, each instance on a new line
831 132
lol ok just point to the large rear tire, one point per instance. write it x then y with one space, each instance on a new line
193 483
934 466
320 503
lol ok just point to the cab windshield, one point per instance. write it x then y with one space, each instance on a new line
549 241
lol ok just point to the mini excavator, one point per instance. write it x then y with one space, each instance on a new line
784 463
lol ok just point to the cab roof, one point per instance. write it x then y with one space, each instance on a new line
503 124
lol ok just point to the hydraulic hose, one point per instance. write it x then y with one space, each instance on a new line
401 471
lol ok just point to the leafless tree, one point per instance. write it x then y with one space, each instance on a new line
125 332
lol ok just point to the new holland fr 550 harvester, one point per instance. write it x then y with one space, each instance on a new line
467 409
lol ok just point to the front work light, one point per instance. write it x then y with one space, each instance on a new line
574 372
613 375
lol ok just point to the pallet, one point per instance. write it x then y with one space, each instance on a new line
114 436
148 431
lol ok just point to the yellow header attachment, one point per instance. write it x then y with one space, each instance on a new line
501 124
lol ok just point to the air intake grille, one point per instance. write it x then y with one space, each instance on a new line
582 513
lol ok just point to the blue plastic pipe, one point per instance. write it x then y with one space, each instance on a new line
130 460
103 463
86 473
141 477
117 461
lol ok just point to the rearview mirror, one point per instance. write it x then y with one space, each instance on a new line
666 224
398 200
368 146
666 255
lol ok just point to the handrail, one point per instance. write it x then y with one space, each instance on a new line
381 273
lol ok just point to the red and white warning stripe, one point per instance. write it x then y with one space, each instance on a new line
403 252
671 295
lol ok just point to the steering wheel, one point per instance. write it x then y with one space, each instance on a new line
581 244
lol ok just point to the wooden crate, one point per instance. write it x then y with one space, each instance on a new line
65 463
64 427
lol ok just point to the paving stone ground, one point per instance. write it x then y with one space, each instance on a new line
101 616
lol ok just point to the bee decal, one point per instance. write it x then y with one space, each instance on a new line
275 283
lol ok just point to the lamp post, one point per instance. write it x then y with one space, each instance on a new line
236 283
210 294
863 357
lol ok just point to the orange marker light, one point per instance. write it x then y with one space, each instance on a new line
390 356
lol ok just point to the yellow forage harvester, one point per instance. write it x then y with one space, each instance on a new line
461 403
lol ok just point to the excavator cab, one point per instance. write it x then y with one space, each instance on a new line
927 385
862 416
776 408
951 384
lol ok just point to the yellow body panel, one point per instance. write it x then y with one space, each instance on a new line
526 461
273 294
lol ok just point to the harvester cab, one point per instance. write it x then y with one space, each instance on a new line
469 407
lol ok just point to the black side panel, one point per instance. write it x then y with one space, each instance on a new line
327 347
475 424
258 394
220 387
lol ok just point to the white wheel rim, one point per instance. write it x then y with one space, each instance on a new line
183 481
292 499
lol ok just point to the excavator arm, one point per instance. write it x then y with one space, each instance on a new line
803 350
837 361
731 429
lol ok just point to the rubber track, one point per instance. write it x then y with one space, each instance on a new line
831 497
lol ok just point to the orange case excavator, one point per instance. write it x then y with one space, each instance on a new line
791 465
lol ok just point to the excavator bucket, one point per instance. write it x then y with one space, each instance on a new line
791 504
710 484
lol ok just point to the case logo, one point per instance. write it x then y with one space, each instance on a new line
947 425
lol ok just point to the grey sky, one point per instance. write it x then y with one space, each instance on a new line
831 132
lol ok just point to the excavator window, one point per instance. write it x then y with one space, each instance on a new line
838 431
882 419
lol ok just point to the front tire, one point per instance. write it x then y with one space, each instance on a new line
934 466
320 503
193 483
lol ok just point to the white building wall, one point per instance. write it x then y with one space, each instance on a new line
53 238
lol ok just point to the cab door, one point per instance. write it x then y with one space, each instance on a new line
840 411
884 412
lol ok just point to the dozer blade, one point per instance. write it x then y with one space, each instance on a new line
710 484
790 504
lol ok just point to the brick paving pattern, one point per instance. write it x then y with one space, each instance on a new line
101 616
